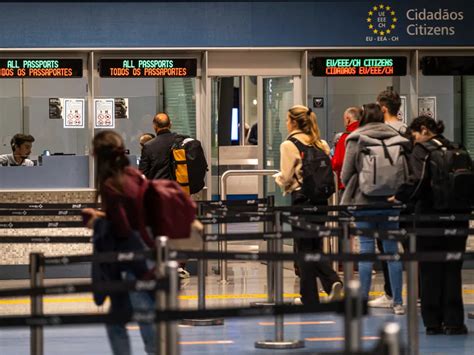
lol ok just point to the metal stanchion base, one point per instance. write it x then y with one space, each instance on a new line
268 304
287 344
203 322
470 315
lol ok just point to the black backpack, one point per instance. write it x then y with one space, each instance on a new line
188 164
452 176
318 179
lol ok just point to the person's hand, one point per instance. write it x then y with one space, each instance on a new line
89 215
392 199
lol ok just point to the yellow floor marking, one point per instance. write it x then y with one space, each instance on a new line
207 342
339 339
297 323
20 301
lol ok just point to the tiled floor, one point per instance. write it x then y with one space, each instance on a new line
237 336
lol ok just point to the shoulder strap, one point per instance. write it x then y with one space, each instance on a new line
432 145
301 147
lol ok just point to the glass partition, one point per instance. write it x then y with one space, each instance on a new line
146 97
25 108
277 99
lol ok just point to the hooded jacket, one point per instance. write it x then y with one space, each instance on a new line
351 168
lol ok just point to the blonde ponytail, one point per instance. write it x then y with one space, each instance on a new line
307 122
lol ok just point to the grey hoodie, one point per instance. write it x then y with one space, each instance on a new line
350 168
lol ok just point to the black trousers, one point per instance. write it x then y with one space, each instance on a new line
309 271
441 283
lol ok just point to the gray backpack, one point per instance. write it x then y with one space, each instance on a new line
382 165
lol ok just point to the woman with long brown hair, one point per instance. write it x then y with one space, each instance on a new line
118 187
304 134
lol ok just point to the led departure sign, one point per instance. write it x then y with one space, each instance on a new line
148 68
359 66
40 68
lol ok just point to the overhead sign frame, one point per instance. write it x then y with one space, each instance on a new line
148 68
40 68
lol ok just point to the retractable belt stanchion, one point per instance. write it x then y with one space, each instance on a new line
391 339
348 266
412 293
279 342
161 303
352 299
271 247
36 280
201 278
353 317
270 226
172 345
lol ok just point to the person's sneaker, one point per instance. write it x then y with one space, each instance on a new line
183 274
456 330
297 301
381 302
337 292
398 310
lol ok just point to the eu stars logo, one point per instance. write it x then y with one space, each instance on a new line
381 21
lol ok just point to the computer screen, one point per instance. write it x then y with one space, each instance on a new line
234 130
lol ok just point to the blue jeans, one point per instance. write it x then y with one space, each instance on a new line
367 246
117 333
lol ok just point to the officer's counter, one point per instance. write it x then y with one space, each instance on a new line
51 172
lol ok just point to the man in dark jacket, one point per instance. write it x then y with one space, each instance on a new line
155 161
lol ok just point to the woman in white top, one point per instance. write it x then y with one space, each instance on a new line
302 124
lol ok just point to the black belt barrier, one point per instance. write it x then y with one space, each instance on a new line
314 257
68 224
45 239
22 213
172 315
307 257
103 287
49 206
99 258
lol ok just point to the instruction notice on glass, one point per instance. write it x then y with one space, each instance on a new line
73 113
402 113
104 113
427 106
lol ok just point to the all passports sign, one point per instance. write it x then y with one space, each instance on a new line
387 23
148 68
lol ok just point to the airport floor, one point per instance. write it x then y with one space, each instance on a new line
321 332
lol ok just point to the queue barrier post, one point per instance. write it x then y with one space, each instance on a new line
279 342
201 278
412 296
270 226
36 280
161 302
172 343
391 339
353 317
